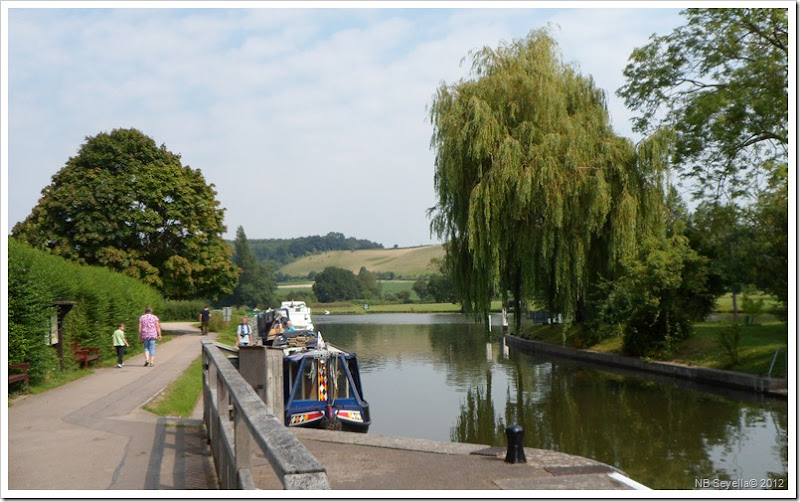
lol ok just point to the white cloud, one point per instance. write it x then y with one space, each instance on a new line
306 120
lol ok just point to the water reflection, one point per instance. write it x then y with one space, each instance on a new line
428 376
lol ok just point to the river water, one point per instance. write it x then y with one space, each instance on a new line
432 376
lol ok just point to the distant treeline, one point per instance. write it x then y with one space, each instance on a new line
283 251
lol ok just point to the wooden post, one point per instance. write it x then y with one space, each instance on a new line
252 367
274 382
262 368
63 309
242 442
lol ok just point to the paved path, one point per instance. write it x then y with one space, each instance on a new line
92 434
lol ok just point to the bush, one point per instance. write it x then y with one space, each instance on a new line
301 295
730 339
182 310
217 324
656 297
29 313
102 299
653 331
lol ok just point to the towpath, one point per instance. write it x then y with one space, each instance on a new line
92 434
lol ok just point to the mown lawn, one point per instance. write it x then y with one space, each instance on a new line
755 349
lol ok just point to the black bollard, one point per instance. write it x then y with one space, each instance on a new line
516 452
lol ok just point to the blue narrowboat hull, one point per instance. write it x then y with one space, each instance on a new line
322 385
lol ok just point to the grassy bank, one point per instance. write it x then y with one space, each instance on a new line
752 353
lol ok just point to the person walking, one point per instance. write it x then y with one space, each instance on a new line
204 317
149 330
243 332
120 342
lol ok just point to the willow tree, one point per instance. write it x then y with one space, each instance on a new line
537 197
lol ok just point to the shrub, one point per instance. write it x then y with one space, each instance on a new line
103 299
300 295
729 339
654 331
29 312
182 310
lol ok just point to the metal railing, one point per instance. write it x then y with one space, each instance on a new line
236 418
775 358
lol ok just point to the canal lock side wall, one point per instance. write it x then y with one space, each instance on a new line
775 387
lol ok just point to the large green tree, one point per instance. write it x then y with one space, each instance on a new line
256 282
771 236
721 233
125 203
721 82
537 197
336 284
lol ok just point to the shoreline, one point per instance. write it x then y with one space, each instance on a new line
734 380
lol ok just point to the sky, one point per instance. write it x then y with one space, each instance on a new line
307 120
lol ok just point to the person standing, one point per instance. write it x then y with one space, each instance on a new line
243 332
120 343
205 316
149 330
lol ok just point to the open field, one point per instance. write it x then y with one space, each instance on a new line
725 302
406 263
392 286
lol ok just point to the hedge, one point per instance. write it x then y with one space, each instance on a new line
103 299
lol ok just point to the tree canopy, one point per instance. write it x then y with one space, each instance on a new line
536 196
124 203
256 282
336 284
721 82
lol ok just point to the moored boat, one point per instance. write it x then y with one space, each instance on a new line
322 384
273 322
299 313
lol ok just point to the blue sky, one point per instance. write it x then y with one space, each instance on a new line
306 120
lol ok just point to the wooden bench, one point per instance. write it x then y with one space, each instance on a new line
85 355
18 377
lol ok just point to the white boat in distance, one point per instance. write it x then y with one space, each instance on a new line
299 313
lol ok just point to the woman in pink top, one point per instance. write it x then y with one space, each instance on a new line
149 330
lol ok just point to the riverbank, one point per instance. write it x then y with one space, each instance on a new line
774 387
755 349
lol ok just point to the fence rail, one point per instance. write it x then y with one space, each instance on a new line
236 418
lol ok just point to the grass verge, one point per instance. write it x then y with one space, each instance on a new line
752 352
180 397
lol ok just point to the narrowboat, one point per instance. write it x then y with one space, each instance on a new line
322 384
272 322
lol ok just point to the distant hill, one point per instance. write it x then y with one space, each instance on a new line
404 262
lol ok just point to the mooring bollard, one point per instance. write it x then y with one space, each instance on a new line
516 452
